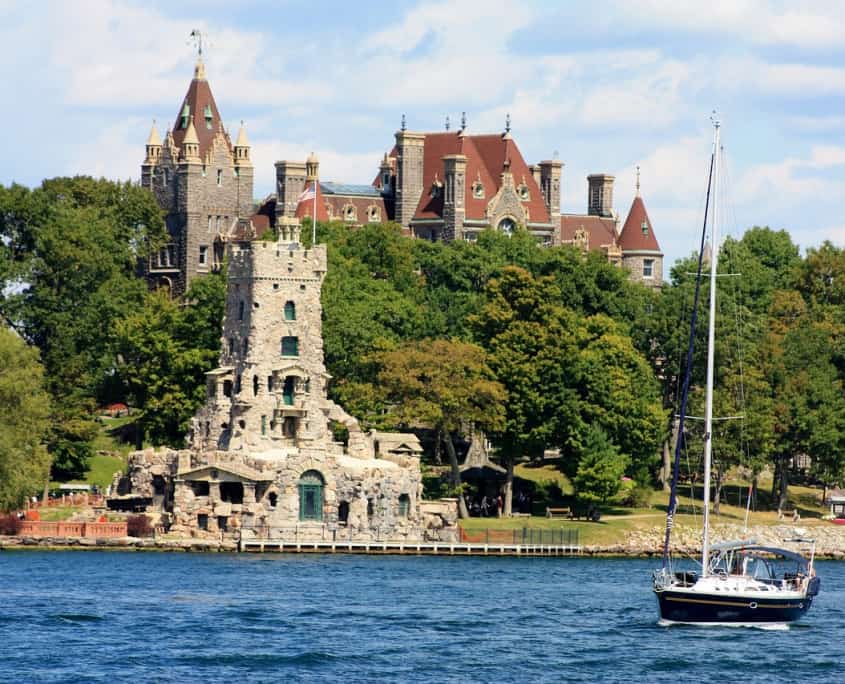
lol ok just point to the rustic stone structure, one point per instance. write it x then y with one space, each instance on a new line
262 456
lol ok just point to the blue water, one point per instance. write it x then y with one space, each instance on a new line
152 617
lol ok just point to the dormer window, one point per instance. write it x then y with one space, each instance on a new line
645 228
349 213
186 115
208 116
478 189
219 177
523 192
436 188
373 214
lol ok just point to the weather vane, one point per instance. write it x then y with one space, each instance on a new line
196 37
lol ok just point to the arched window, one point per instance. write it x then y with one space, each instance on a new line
311 495
343 512
404 505
507 226
272 499
254 385
290 311
290 346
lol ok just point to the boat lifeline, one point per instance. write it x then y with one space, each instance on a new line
739 582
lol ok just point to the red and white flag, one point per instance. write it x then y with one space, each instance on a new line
308 193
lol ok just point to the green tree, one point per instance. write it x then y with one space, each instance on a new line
24 418
600 467
164 352
443 384
69 252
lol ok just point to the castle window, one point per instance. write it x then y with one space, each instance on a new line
263 425
200 488
236 172
343 512
238 386
269 383
404 505
255 384
648 268
208 116
524 194
349 213
307 386
290 311
227 388
478 190
374 215
507 226
222 523
246 346
241 310
219 177
471 237
204 171
233 492
210 223
311 496
287 391
290 346
272 499
202 521
186 115
203 260
644 227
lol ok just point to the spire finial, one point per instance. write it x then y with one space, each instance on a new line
638 180
403 123
463 121
508 122
447 122
196 36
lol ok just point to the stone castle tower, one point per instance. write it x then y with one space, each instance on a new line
202 181
641 252
263 459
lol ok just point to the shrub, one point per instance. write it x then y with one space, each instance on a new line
638 496
139 526
10 524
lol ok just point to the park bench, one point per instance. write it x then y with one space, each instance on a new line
558 512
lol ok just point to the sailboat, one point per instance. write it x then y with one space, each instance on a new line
738 582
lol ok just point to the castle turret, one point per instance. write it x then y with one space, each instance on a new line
203 183
640 251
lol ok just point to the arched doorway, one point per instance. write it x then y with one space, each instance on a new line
507 226
311 495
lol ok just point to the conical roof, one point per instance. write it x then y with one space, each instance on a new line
637 233
242 139
191 135
199 108
154 138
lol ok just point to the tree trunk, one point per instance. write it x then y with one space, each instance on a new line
509 488
455 473
668 466
783 495
754 479
438 453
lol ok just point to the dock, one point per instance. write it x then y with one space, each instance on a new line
415 548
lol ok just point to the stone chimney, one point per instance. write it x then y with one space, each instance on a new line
600 195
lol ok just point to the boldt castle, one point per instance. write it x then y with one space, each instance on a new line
446 185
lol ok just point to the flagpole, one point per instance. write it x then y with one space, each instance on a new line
314 220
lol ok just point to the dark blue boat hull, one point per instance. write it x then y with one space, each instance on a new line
678 606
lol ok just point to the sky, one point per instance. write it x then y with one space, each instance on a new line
606 86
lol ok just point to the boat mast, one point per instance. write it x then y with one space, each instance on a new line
711 345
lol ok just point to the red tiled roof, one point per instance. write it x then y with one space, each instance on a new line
362 207
198 98
638 233
486 155
601 231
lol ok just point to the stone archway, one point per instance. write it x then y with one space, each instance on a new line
311 484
